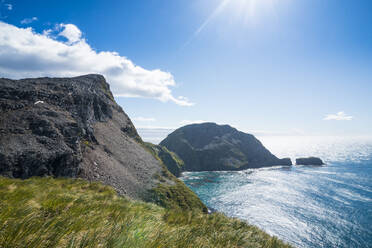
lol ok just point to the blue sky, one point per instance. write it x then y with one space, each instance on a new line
268 67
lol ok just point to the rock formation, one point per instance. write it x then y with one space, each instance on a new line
309 161
212 147
72 127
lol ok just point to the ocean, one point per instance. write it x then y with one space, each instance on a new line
328 206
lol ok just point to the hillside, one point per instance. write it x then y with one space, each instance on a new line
72 127
46 212
210 147
171 160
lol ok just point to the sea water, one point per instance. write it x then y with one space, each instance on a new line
328 206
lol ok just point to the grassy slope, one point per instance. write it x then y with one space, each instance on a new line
46 212
173 163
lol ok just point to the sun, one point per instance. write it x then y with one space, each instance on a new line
247 11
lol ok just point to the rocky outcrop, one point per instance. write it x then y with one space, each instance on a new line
72 127
309 161
212 147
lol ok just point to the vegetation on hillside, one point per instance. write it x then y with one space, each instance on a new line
47 212
175 194
171 160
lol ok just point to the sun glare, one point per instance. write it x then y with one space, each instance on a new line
251 9
247 11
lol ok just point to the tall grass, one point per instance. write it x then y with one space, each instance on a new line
47 212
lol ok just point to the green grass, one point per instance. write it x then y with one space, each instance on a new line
173 163
47 212
176 195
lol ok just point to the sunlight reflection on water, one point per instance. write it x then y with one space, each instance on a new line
329 206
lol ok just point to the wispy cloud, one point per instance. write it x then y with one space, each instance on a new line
340 116
29 20
144 119
70 32
154 134
25 53
188 122
8 6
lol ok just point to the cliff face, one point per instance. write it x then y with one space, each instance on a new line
72 127
210 147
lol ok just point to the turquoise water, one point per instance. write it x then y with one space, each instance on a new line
329 206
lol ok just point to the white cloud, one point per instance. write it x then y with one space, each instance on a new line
188 122
47 32
340 116
8 6
25 53
70 32
144 119
29 20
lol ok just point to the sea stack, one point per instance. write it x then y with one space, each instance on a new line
309 161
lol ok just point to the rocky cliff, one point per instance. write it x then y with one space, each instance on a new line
210 147
72 127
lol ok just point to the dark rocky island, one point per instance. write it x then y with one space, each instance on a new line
309 161
212 147
72 127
